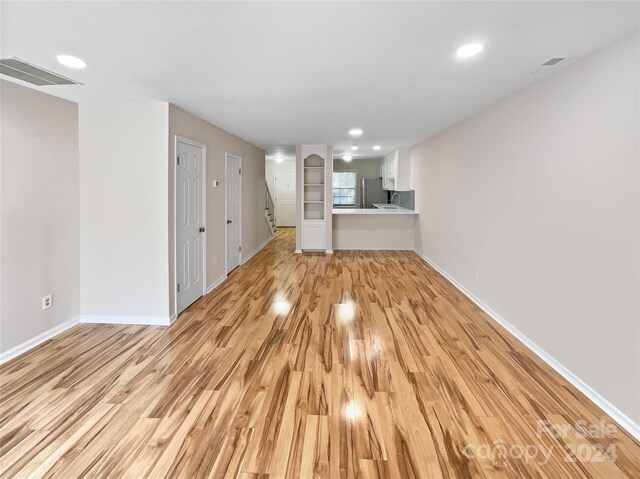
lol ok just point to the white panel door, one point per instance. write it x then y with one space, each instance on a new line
285 186
189 224
233 212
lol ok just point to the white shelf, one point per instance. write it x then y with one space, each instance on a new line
314 203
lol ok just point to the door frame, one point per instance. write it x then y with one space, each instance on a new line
197 144
228 155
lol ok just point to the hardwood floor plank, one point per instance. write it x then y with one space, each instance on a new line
358 364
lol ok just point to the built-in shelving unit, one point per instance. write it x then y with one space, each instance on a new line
315 163
313 192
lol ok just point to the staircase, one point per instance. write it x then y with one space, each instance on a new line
269 210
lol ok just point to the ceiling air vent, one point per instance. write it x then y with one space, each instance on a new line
553 61
16 68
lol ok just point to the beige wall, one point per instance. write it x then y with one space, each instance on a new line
540 195
123 212
363 168
39 218
254 226
86 198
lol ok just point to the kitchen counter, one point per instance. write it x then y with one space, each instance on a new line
373 211
373 228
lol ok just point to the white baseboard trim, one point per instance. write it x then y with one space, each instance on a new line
329 251
298 251
257 250
132 320
39 339
216 283
621 418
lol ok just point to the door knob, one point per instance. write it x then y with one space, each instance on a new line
202 229
228 222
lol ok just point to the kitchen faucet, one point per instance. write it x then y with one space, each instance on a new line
394 194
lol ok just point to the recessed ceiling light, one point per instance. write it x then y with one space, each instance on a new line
71 62
354 147
347 158
469 50
279 159
355 132
376 147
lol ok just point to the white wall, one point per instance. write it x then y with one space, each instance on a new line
124 246
541 195
39 218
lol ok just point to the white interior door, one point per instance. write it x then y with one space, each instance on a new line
190 232
285 186
233 211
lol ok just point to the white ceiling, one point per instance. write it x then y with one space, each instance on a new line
279 74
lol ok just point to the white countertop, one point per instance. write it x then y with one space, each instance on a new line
373 211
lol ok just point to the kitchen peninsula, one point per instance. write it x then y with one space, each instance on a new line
385 227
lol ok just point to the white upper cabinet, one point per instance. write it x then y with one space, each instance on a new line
395 169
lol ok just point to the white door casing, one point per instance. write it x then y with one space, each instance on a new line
190 222
285 192
233 192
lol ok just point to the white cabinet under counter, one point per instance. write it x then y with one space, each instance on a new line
313 235
373 228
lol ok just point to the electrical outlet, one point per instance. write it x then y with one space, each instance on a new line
477 274
215 260
47 301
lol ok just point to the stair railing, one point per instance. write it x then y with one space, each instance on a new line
269 205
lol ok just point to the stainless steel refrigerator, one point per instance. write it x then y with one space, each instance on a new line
371 192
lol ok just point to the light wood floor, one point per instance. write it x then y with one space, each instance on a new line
360 364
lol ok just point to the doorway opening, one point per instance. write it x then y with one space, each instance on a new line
285 194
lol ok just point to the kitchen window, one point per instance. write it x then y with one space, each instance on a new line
344 188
